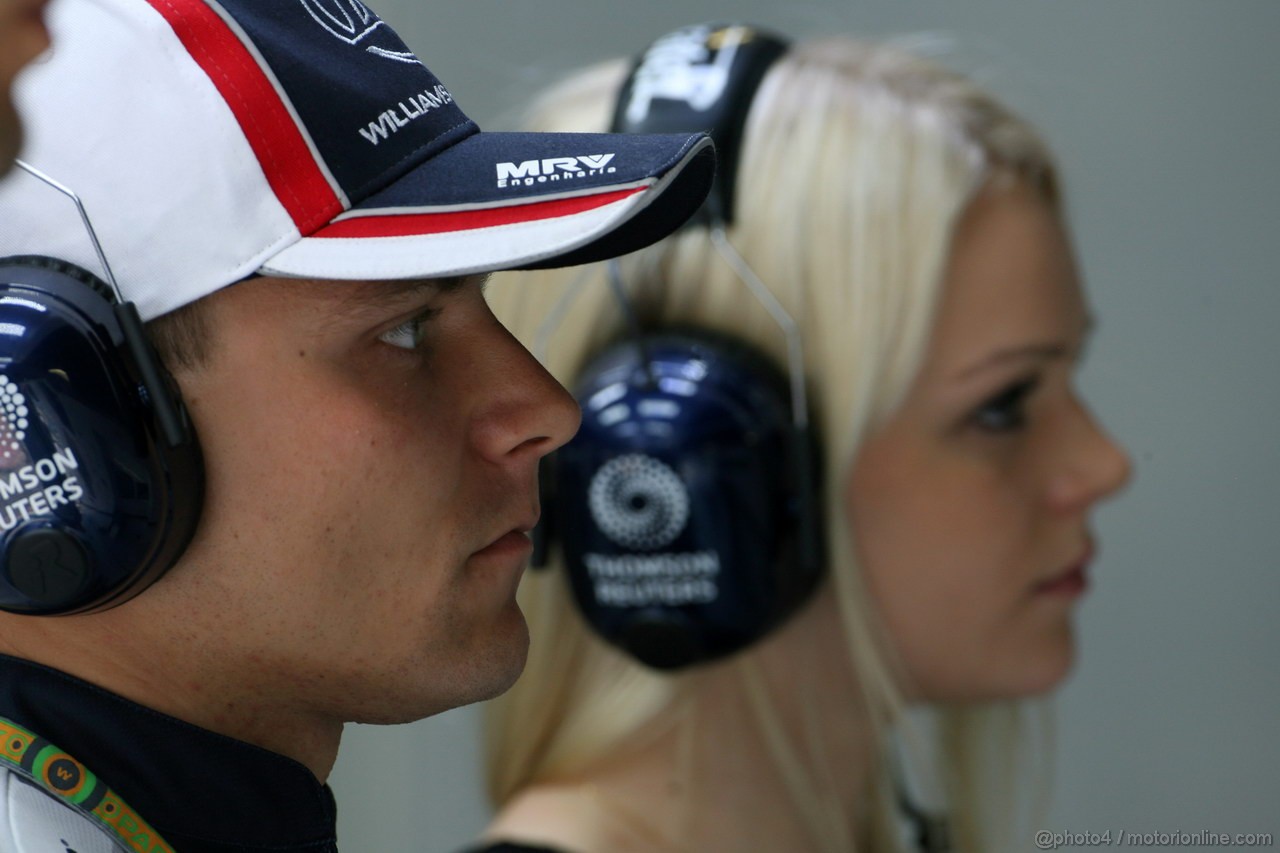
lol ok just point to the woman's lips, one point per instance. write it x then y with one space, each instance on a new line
1069 584
1072 581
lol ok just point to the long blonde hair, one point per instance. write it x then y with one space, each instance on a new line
857 162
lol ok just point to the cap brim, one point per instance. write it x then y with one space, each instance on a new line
513 200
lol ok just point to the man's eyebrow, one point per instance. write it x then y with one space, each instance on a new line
381 297
454 283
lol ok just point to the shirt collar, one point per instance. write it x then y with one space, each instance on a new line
201 790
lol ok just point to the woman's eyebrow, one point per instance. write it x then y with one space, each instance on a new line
1022 352
1032 351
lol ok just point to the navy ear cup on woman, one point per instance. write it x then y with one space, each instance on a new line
101 477
680 500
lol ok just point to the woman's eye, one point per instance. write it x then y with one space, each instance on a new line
1006 411
409 334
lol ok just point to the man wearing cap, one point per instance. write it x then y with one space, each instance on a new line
302 217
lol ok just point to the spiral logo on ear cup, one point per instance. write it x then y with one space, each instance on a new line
638 502
13 412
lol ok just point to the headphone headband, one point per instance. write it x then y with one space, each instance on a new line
702 77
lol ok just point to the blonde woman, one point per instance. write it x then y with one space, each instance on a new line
913 229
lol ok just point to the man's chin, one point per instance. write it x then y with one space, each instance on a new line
485 675
510 660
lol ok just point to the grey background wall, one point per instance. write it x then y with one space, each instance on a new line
1166 116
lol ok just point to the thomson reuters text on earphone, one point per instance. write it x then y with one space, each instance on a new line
1046 840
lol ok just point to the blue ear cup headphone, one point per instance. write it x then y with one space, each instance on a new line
101 476
683 499
687 505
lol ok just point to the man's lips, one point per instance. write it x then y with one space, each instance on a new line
516 540
508 544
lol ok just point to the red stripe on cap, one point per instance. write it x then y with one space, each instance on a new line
281 149
409 224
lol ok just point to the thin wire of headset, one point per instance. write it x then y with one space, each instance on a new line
84 217
153 385
632 321
790 330
733 258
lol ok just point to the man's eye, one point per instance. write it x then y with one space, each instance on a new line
1006 411
409 334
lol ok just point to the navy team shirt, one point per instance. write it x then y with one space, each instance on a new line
203 792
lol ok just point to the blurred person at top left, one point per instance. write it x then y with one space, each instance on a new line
23 37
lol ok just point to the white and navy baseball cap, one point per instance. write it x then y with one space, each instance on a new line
214 139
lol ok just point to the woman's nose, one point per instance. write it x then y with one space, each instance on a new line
1094 468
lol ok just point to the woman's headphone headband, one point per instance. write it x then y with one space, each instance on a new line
703 77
